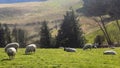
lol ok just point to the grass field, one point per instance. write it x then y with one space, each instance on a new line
57 58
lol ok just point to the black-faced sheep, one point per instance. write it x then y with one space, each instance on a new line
11 52
69 49
87 46
109 52
15 45
30 48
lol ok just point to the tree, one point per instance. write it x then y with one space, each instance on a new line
22 37
99 9
7 34
99 39
19 36
114 11
15 34
96 7
45 36
70 33
2 36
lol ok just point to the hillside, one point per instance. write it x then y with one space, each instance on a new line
112 30
34 11
17 1
31 12
51 10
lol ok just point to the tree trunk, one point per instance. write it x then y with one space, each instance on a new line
102 29
105 30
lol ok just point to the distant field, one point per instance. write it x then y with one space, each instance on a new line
57 58
51 10
35 11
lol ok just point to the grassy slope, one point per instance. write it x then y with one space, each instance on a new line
34 11
57 58
112 30
38 11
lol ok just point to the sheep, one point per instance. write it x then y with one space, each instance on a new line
95 45
30 48
87 46
109 52
112 47
70 49
11 52
15 45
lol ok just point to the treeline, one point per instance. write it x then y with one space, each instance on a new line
69 34
15 35
103 11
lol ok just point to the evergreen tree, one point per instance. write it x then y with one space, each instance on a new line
70 33
15 34
22 37
2 36
7 34
45 36
19 35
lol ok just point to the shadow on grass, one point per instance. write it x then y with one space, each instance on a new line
5 59
27 54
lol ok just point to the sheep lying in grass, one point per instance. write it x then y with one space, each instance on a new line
70 49
30 48
87 46
15 45
109 52
11 52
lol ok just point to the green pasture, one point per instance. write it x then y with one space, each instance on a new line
58 58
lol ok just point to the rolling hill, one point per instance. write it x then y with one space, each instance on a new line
51 10
17 1
34 11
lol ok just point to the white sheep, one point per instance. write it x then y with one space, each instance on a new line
15 45
109 52
70 49
87 46
30 48
11 52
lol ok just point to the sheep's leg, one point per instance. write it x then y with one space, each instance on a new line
10 57
90 47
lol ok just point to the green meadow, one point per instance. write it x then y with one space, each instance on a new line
58 58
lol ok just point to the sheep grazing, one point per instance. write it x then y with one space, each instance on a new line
112 47
30 48
70 49
87 46
15 45
11 52
109 52
95 45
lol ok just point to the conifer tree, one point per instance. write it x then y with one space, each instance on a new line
22 37
19 35
15 34
70 33
7 34
45 36
2 36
